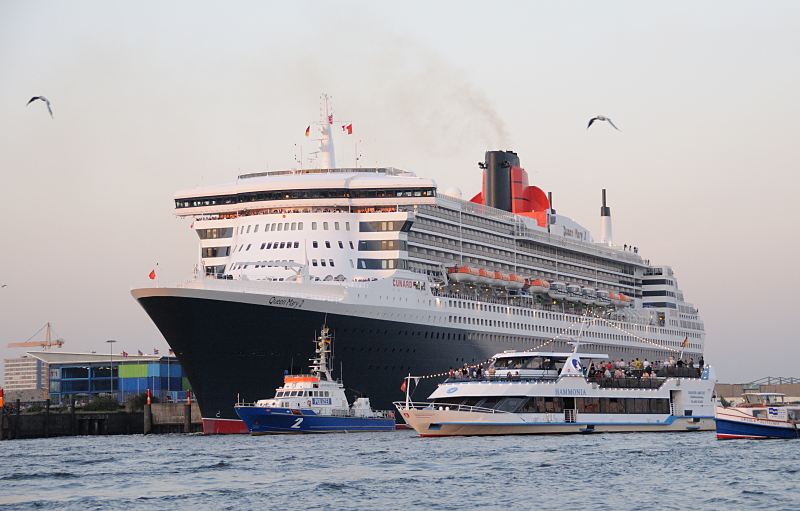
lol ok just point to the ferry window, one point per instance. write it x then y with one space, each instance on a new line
248 229
330 261
326 393
299 226
322 262
341 245
283 244
313 226
351 245
353 266
327 244
347 226
272 227
280 227
269 245
509 404
296 244
294 226
325 226
336 225
256 229
314 244
313 262
263 245
286 226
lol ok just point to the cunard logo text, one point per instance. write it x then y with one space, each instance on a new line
410 284
286 302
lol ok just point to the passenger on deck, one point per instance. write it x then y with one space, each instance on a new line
508 376
679 363
701 362
451 374
691 362
516 375
492 372
618 373
607 373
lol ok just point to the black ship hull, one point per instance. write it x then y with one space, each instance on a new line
239 351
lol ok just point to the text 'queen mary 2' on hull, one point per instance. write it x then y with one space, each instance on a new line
407 278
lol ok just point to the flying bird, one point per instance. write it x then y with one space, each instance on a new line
42 98
4 285
602 118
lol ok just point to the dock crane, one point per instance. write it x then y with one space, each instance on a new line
47 343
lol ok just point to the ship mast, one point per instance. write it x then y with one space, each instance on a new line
327 156
319 364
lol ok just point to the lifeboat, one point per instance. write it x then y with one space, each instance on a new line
539 286
558 290
463 274
486 277
625 300
573 293
515 281
588 296
601 298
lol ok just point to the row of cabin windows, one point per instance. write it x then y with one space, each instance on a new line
268 246
321 262
215 233
315 244
302 393
316 193
215 251
542 404
661 292
382 264
275 226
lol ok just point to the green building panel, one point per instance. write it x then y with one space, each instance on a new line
185 384
133 371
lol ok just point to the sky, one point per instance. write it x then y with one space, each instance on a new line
153 97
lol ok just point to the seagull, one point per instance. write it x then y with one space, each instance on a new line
4 285
601 118
42 98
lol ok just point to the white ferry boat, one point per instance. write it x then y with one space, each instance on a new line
535 399
410 277
762 415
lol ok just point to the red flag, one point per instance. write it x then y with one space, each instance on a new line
124 353
403 386
308 130
348 128
152 274
1 398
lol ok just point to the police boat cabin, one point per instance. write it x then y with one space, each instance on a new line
540 393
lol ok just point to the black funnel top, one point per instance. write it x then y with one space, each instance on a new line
497 179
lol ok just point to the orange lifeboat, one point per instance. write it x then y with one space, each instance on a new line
463 274
515 281
539 286
486 277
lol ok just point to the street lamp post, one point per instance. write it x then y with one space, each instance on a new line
111 365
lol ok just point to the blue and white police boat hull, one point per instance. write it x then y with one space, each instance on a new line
763 415
313 403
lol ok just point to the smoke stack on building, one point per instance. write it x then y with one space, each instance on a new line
505 187
605 222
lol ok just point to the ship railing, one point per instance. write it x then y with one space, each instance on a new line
450 407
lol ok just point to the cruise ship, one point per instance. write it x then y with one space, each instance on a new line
408 277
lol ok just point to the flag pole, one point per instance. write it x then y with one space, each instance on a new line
408 390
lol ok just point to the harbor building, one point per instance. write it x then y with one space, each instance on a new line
92 374
25 378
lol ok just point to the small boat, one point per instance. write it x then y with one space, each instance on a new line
525 393
463 274
573 293
602 298
762 415
313 403
558 290
538 286
588 296
515 281
486 277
